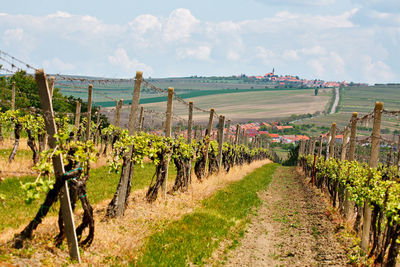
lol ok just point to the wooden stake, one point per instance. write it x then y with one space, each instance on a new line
89 112
228 126
237 134
168 132
51 128
117 115
141 119
51 86
353 137
96 136
77 119
190 123
344 143
373 163
135 103
13 96
333 140
320 146
221 127
208 133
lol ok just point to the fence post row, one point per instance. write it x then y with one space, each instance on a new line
51 128
373 163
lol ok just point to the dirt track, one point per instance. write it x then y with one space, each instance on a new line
292 228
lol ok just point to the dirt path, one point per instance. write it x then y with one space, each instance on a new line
336 103
292 228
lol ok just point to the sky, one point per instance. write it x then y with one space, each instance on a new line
332 40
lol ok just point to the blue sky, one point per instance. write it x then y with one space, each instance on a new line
353 40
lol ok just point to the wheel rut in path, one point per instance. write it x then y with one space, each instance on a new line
291 228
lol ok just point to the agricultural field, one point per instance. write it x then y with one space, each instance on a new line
247 106
361 99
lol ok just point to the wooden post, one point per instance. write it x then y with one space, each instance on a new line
333 140
168 132
96 136
320 146
209 129
373 163
13 96
353 136
77 119
126 176
344 143
347 206
117 115
12 107
228 126
135 103
328 141
221 127
89 112
301 148
51 128
398 153
51 86
237 134
190 123
189 139
141 119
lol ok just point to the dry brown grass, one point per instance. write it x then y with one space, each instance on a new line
22 165
122 238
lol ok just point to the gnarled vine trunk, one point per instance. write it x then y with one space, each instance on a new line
17 132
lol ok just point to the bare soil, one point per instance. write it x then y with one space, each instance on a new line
293 227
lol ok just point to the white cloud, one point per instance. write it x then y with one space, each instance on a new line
290 55
179 26
375 71
201 53
121 60
56 65
144 23
299 2
11 36
314 50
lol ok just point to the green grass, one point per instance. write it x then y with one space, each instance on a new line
193 238
101 185
361 99
5 153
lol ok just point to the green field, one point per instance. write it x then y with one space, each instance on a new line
362 100
249 106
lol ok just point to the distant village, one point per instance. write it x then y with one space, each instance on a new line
295 81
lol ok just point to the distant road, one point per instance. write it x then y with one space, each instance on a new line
336 103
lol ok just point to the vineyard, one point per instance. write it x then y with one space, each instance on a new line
182 188
64 147
361 176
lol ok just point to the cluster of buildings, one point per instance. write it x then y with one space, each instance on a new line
258 128
296 81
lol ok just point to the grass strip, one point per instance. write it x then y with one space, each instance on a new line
193 238
100 186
